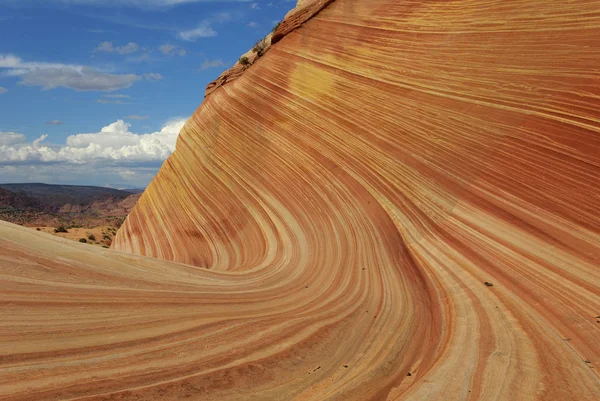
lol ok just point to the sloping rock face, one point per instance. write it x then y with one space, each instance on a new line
304 11
399 201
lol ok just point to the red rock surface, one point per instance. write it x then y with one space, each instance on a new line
303 12
340 207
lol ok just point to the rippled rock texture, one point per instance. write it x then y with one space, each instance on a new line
339 209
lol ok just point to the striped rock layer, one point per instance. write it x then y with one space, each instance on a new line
327 224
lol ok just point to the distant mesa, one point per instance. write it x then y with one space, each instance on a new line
59 206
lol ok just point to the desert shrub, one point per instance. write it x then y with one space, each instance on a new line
260 47
275 27
244 61
106 246
60 229
92 237
82 240
38 229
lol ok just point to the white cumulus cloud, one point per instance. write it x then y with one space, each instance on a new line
211 64
113 145
53 75
170 50
127 175
152 76
11 138
3 90
129 48
204 30
107 47
84 79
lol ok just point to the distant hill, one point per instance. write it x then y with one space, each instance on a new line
75 205
17 200
52 198
134 190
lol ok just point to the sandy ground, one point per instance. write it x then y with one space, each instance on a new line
76 234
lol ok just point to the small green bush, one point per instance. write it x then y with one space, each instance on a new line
91 237
82 240
260 47
244 61
60 229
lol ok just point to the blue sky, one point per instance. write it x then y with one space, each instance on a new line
95 91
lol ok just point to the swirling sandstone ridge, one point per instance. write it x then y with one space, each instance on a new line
335 212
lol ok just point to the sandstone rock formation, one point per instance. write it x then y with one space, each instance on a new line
398 202
304 11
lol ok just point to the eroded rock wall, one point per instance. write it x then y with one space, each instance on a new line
339 209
